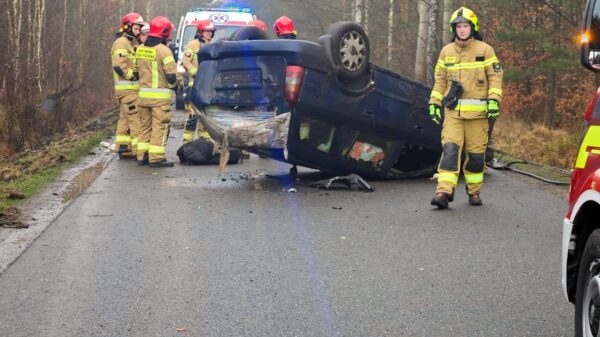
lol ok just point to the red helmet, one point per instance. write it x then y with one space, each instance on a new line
205 25
129 20
260 24
284 25
160 27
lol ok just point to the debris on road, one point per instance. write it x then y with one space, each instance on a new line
352 181
292 190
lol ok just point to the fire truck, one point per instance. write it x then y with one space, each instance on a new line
581 225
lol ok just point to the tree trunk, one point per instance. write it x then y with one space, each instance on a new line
62 50
390 35
420 61
358 6
432 48
447 34
365 23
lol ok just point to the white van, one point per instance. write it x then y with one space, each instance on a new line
227 20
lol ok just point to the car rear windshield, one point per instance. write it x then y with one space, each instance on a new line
222 32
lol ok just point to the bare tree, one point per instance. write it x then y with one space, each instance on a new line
422 35
432 48
358 11
390 34
447 34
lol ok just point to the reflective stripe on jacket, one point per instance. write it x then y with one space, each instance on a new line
154 64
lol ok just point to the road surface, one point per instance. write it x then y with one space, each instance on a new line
181 252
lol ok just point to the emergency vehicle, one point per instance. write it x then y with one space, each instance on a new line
227 20
581 225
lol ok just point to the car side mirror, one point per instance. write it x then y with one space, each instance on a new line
594 59
590 36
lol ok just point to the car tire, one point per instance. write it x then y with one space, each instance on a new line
350 50
587 299
248 33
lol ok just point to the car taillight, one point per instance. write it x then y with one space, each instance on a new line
294 76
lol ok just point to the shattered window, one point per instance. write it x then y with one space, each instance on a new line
317 135
368 150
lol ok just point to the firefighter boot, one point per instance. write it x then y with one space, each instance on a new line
440 200
475 199
162 163
124 152
144 161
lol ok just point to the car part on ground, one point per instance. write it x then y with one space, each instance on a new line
351 181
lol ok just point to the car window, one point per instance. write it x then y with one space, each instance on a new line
188 35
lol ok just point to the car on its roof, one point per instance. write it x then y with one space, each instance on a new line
347 114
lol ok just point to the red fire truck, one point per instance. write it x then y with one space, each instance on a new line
581 226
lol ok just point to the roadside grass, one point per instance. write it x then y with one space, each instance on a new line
24 176
548 153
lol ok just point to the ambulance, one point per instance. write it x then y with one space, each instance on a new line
227 20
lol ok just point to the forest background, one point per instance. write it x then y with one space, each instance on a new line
56 70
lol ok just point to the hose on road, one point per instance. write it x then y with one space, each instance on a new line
497 165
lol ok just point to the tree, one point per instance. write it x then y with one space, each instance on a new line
422 35
432 47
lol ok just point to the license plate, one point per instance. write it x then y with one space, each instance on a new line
236 78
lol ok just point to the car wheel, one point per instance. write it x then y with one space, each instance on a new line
587 301
248 33
350 50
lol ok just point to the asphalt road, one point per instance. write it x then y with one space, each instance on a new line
180 252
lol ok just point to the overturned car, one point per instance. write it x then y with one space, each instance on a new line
319 105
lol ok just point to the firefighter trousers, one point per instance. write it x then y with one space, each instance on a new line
192 124
128 126
154 132
459 133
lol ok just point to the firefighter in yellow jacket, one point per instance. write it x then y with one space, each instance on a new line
468 83
204 34
157 79
126 83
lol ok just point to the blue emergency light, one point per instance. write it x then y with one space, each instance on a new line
225 9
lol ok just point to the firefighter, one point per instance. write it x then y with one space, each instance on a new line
204 34
157 79
284 28
126 84
468 83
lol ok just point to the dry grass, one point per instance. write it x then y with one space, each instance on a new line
536 143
